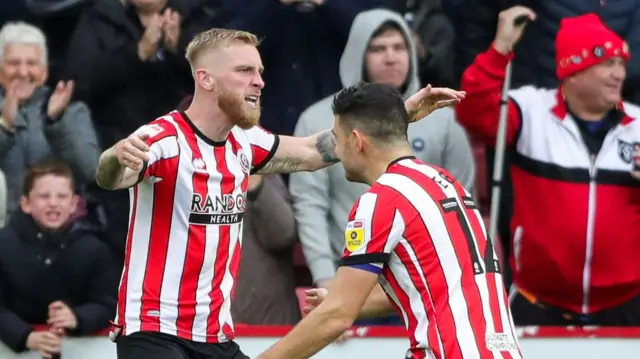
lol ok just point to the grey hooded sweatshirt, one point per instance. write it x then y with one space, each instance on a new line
323 199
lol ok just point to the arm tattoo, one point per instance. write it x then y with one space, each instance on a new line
110 172
282 165
326 146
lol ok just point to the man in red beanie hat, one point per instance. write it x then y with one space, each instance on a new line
576 216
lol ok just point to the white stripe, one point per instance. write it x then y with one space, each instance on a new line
430 212
366 207
212 240
257 136
163 149
179 234
235 167
417 302
139 254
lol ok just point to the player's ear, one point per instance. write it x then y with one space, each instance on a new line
359 139
205 80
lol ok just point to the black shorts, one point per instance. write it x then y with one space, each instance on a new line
151 345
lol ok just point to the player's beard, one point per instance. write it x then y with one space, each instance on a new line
240 113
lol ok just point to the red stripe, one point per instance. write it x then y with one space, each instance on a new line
405 303
122 295
470 290
196 244
494 291
235 257
420 240
227 186
163 192
381 223
351 217
259 155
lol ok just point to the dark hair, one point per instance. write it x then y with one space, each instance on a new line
44 168
386 26
375 109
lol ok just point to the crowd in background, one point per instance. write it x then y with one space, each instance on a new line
79 75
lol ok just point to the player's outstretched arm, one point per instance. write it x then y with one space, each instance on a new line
297 154
348 292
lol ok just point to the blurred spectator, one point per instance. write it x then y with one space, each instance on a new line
128 62
576 205
3 199
57 19
127 59
51 273
379 49
434 37
38 122
265 291
303 41
535 63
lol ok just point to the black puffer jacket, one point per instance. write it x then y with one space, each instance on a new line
38 268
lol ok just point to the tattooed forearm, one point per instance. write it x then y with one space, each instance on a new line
326 146
282 165
110 172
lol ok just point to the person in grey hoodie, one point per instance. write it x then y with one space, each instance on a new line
37 123
379 49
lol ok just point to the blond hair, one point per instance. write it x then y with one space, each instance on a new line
216 38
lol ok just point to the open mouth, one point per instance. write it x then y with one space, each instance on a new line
252 101
53 215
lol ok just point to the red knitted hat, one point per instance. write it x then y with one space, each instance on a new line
584 41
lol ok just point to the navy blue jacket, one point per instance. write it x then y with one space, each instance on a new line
38 268
300 51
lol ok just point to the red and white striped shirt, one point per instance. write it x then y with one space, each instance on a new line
185 230
420 229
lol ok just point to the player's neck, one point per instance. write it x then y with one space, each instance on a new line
380 162
209 119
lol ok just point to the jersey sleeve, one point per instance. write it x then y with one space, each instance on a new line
263 146
374 229
163 145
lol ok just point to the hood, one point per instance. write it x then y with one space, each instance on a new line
362 29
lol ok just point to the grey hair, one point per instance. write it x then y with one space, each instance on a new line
21 33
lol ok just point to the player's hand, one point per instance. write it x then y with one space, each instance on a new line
429 99
508 33
132 151
313 298
45 343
